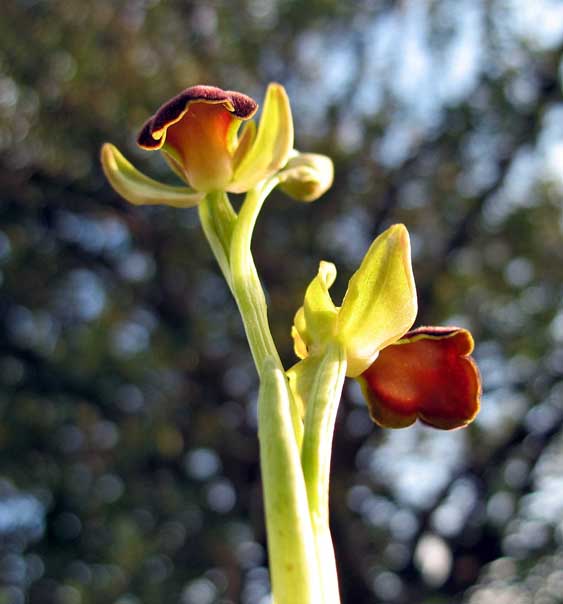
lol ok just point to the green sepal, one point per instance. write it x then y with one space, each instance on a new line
272 144
306 176
380 304
139 189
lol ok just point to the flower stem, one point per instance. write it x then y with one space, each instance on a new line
249 294
217 219
247 288
291 544
320 418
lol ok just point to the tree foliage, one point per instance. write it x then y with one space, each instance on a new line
129 456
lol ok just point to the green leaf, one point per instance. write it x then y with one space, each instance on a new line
272 145
380 304
139 189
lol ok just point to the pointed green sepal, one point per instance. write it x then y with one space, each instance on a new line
307 176
272 144
380 304
139 189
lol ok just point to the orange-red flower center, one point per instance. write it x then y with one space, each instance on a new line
201 140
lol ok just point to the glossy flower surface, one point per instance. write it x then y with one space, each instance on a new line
427 374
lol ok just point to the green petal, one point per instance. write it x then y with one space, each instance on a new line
245 141
307 176
299 327
174 160
380 304
314 322
320 312
272 145
139 189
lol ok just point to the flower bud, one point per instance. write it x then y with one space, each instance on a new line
307 176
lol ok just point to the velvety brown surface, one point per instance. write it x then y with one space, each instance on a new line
238 104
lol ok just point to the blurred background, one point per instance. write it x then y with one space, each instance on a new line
128 465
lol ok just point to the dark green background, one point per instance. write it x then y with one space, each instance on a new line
128 469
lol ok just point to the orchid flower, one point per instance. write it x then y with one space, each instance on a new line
426 373
197 133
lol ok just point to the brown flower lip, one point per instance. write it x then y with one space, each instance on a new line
152 135
431 330
428 374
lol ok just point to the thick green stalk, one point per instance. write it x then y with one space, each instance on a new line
320 417
291 545
248 290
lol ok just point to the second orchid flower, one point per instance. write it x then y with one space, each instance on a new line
426 373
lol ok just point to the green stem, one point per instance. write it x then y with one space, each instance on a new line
218 219
248 290
320 417
246 284
291 544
